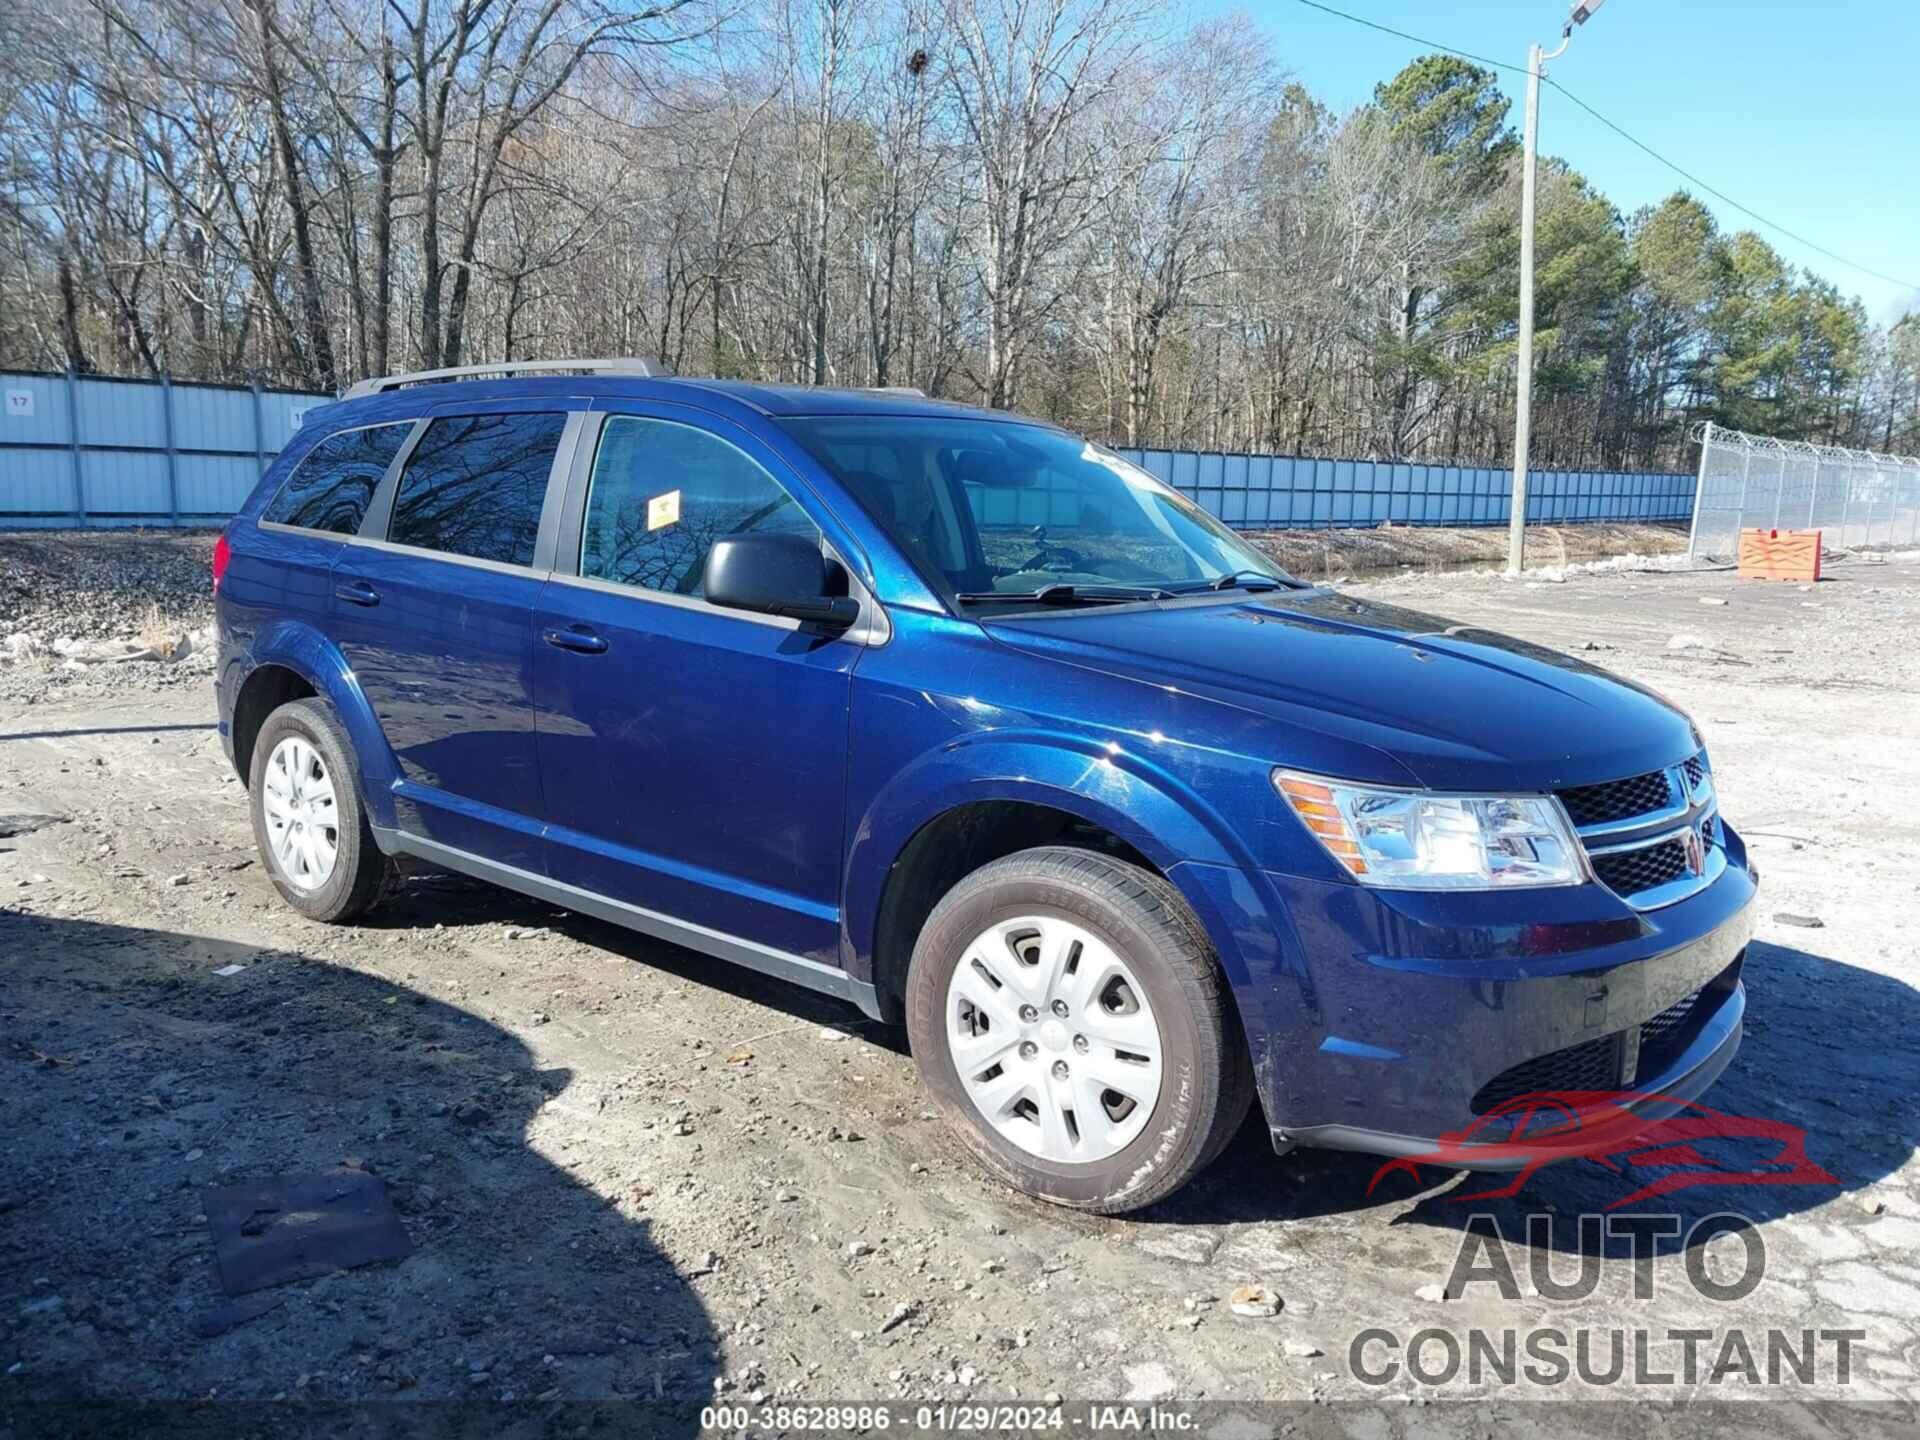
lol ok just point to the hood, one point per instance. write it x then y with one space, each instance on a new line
1458 707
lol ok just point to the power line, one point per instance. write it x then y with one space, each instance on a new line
1722 195
1624 134
1429 44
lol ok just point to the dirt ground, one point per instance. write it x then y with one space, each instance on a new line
1327 555
626 1170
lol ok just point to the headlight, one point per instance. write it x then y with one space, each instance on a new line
1411 840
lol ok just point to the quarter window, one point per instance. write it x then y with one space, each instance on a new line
332 485
663 493
475 485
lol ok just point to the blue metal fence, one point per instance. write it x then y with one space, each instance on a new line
85 451
1284 492
75 450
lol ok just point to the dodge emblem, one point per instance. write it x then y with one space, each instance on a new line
1696 851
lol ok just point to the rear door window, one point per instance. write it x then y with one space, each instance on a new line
330 488
663 493
475 485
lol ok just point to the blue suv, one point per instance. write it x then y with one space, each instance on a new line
975 724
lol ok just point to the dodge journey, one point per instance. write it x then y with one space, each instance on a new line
987 731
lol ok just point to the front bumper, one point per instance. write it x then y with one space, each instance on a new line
1389 1021
1591 1128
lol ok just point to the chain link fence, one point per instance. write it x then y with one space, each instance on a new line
1858 499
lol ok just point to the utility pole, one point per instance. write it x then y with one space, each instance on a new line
1523 400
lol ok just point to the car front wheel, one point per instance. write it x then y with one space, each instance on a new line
1072 1022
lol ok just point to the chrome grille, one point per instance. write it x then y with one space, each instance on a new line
1653 838
1628 872
1618 799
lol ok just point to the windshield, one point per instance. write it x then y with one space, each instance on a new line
993 510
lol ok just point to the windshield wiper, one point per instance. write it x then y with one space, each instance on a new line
1068 595
1238 579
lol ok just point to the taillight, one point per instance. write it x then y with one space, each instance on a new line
222 553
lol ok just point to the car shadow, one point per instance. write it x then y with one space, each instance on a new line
105 730
1830 1048
425 898
136 1076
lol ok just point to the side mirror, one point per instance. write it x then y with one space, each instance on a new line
776 574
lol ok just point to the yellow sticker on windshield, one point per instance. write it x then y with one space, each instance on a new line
663 510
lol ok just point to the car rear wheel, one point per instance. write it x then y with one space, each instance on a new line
1072 1023
308 821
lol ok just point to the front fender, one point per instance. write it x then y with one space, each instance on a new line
304 650
1122 793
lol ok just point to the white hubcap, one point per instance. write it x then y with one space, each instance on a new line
1053 1039
303 822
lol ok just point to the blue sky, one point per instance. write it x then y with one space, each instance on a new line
1807 112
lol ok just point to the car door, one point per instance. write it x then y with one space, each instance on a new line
693 757
435 615
284 573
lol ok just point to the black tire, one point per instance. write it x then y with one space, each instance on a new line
1208 1081
360 870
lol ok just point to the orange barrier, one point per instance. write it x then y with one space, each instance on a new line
1780 555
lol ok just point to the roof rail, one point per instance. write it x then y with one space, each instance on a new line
615 366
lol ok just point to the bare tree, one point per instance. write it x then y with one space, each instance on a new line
1403 226
1022 75
1078 207
504 62
1177 138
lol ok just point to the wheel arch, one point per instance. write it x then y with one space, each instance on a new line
968 806
266 688
293 661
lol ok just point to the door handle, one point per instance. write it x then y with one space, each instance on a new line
578 639
357 592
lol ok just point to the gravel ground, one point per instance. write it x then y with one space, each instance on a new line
72 602
626 1170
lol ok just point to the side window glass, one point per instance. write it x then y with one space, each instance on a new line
331 487
474 486
663 493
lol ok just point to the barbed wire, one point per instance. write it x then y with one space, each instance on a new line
1707 432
